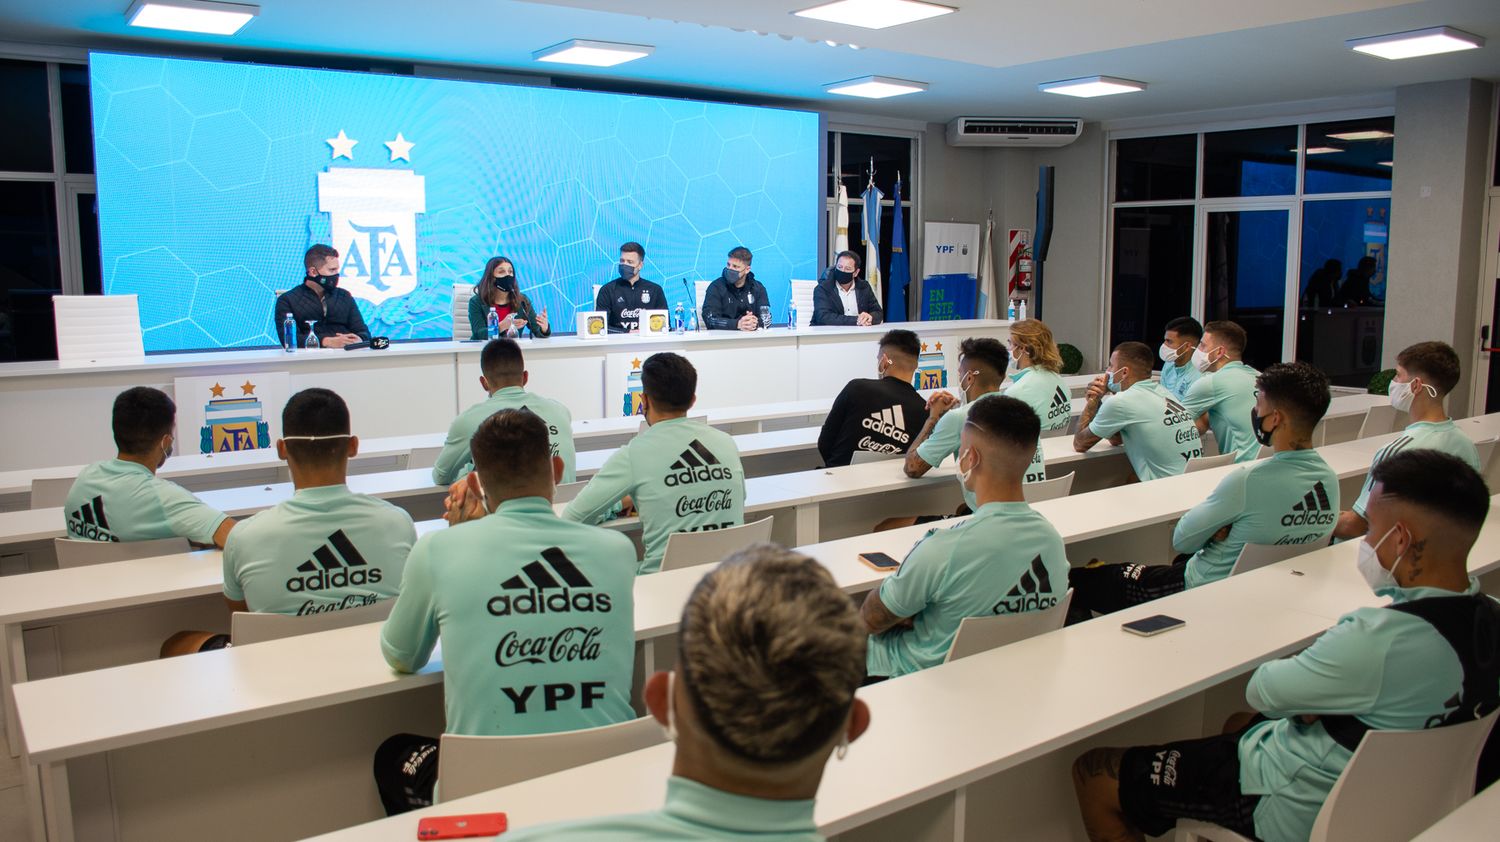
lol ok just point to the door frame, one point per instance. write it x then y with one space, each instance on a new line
1292 282
1480 359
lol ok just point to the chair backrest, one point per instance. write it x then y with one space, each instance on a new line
1486 450
1048 489
469 765
97 327
802 296
48 492
423 457
247 627
595 299
462 292
700 290
1320 434
1399 783
1057 432
981 634
1203 463
860 457
687 549
1264 452
75 553
1208 443
565 492
1379 420
1256 556
702 419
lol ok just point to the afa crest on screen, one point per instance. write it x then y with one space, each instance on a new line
373 222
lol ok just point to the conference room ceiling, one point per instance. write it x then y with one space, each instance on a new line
986 59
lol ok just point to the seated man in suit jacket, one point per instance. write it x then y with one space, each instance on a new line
844 298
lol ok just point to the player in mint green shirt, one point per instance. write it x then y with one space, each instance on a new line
1425 373
122 499
1004 559
1037 383
535 614
1225 392
1377 668
1179 340
504 379
681 475
1140 414
770 657
1290 498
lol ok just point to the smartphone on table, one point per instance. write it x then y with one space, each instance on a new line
1153 625
461 827
879 561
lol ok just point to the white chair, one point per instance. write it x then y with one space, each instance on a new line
1379 420
97 327
247 627
1397 784
47 492
688 549
567 491
1203 463
462 292
861 457
470 765
1048 489
595 299
1486 450
700 291
1057 432
75 553
423 457
981 634
1256 556
802 296
1208 443
1320 434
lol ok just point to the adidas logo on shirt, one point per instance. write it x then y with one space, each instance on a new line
89 523
548 586
329 571
1314 510
889 422
1027 594
1176 413
696 464
1061 406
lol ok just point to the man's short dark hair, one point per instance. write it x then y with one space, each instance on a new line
903 342
740 253
1231 335
986 351
1186 326
1297 389
501 361
317 254
1008 420
316 412
1436 363
142 416
670 381
1137 357
511 447
1437 483
849 254
634 248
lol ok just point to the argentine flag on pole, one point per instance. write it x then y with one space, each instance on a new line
900 265
988 301
870 230
841 225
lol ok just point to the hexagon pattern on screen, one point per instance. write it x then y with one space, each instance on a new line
214 177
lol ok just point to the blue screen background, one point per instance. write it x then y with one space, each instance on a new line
209 191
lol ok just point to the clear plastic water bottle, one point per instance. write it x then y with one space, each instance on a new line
1022 312
512 332
492 323
679 321
791 316
693 321
289 333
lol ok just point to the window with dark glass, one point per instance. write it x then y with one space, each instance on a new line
30 270
77 119
26 142
1250 162
1343 287
1351 156
890 155
1152 271
1156 168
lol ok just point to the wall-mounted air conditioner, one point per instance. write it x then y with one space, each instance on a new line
1013 131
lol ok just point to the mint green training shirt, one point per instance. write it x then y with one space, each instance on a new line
1290 498
1391 669
1005 559
454 462
682 474
1422 435
693 811
1158 432
1048 396
116 500
944 442
1227 395
325 549
536 617
1179 378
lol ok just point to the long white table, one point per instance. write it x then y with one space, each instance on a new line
1084 520
58 413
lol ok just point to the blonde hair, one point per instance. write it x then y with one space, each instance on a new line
1036 338
771 652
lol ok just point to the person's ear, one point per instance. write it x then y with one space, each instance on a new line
654 694
281 450
645 404
525 377
353 446
694 402
557 470
484 384
859 719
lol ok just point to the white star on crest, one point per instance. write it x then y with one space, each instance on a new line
343 145
400 148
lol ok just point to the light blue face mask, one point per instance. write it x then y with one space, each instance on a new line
1110 381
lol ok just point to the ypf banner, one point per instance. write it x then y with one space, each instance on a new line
950 270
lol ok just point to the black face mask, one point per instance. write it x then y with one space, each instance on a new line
327 282
506 283
1260 435
626 271
733 275
842 277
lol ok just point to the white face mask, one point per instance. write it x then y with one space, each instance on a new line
1166 353
963 475
1380 580
963 388
1201 359
671 729
1402 394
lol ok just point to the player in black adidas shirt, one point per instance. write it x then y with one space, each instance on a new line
623 298
879 415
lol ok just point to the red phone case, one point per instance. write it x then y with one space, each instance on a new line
461 827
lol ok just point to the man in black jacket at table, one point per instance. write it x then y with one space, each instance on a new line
734 299
319 299
844 298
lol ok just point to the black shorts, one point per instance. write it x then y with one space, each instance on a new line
406 768
218 641
1191 779
963 509
1113 587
